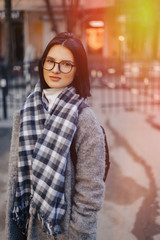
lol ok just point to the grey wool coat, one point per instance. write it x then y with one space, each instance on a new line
84 185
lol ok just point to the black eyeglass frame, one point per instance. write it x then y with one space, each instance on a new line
54 62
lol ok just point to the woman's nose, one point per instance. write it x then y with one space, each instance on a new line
56 68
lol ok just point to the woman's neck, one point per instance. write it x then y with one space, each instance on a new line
51 95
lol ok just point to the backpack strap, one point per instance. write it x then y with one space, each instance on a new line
107 162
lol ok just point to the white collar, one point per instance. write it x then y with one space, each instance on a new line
51 95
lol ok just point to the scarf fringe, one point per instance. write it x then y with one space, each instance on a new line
49 228
20 215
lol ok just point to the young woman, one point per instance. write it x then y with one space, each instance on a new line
57 161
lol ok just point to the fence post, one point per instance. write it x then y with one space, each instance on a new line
4 87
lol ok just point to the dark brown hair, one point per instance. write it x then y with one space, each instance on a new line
81 80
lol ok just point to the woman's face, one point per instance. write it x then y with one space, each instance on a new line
55 78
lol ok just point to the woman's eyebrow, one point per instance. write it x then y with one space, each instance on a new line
64 60
50 57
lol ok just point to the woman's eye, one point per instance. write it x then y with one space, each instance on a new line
67 64
49 61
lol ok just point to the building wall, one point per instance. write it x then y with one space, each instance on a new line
38 32
118 24
33 30
47 33
111 33
2 41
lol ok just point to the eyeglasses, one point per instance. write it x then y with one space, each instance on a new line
63 66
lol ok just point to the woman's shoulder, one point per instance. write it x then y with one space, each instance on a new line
16 114
88 120
16 118
87 114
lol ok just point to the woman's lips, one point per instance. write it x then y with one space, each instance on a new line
55 79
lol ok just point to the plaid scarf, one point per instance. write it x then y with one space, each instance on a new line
44 144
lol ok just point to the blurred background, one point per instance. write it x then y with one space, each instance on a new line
122 41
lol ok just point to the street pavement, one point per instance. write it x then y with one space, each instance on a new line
5 136
131 209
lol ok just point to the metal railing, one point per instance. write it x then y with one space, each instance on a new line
14 90
130 86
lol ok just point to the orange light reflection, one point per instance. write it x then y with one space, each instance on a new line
95 38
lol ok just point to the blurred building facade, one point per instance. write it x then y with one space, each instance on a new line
121 38
112 29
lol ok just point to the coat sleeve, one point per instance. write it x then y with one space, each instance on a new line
89 185
11 230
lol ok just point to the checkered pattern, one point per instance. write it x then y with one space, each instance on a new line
44 143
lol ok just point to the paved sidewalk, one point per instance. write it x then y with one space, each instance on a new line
132 204
6 123
154 120
5 136
131 210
